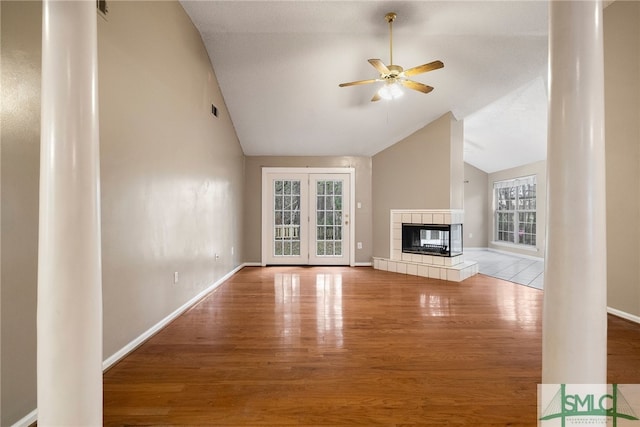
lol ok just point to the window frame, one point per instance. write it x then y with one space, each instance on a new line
515 211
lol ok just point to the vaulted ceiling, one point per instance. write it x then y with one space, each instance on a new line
279 64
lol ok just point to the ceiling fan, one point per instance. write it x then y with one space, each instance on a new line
395 76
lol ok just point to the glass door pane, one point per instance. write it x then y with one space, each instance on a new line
328 218
286 217
329 240
285 225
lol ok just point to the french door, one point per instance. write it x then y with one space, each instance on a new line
306 218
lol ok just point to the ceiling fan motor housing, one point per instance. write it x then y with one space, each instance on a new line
394 71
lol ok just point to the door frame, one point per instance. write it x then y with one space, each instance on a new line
264 229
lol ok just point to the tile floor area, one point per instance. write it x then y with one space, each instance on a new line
511 267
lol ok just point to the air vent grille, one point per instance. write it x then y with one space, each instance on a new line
102 7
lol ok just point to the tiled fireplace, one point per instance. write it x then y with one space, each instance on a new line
427 243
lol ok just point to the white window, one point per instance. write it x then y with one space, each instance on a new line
515 210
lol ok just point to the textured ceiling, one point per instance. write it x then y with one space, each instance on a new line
279 64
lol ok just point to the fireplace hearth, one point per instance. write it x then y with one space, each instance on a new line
427 243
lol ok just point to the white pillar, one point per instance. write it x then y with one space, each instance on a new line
69 268
574 348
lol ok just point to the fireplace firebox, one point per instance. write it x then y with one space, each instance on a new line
432 239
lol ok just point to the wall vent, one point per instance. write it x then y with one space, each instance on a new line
102 7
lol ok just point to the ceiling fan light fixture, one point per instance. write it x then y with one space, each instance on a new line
390 91
394 76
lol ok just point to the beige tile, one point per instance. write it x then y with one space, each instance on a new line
401 267
423 271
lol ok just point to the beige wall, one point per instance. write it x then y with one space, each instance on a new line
20 146
456 162
539 169
253 198
172 173
418 172
622 135
475 207
171 177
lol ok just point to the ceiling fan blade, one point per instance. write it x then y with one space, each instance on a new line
359 82
376 97
379 65
423 68
416 86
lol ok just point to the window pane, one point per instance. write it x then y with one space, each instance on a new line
337 233
329 248
329 234
329 203
337 189
515 216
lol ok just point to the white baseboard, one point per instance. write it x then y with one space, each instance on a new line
623 314
480 248
362 264
27 420
32 417
114 358
535 258
252 264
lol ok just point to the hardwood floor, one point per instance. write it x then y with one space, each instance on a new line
344 346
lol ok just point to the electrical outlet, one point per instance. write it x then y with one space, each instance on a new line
470 235
217 256
359 245
175 278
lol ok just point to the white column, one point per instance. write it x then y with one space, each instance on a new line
574 348
69 268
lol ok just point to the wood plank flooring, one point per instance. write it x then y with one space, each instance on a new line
347 346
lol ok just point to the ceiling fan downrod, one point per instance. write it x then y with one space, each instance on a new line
390 17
